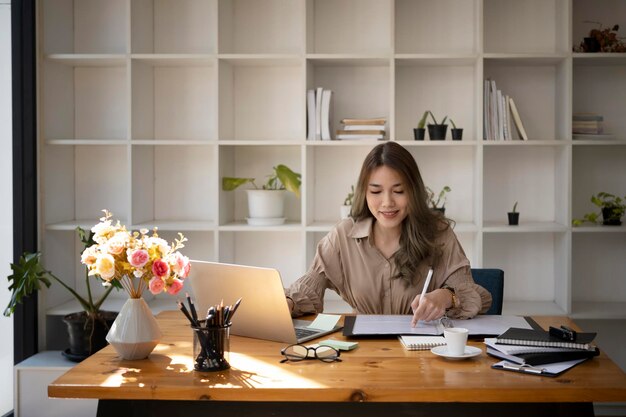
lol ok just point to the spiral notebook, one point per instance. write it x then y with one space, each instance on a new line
421 342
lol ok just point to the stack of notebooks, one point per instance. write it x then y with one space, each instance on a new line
373 128
587 123
538 352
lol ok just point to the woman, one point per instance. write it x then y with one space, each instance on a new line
378 260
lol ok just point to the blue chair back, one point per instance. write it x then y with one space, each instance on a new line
492 280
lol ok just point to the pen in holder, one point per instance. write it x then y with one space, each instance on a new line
211 346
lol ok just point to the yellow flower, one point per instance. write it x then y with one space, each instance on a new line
105 266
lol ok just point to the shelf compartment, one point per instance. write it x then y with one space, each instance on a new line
596 169
84 102
265 249
532 26
584 12
354 26
595 284
594 81
78 182
172 183
255 162
361 88
174 26
85 27
417 21
447 87
539 89
527 175
262 101
533 264
172 102
265 26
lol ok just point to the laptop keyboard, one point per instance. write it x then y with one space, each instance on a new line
300 332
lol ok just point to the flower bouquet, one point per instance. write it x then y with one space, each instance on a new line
138 261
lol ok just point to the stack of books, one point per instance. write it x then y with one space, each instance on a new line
587 123
319 112
500 115
373 128
539 352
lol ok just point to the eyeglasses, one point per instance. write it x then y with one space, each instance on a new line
295 353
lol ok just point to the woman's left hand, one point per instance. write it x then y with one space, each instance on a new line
431 307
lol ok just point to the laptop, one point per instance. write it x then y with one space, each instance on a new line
263 312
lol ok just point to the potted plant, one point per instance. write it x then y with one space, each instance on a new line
457 134
266 203
601 40
346 208
420 131
513 216
438 203
612 209
437 131
86 329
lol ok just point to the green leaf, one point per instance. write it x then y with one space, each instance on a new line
290 180
231 183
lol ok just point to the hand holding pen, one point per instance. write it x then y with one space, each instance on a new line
419 302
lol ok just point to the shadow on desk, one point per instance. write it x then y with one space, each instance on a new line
147 408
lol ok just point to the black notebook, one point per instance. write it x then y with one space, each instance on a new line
531 337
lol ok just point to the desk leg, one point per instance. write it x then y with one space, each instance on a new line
147 408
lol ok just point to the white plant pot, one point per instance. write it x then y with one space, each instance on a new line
344 211
266 204
135 332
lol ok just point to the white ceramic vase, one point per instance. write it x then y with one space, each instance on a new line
135 332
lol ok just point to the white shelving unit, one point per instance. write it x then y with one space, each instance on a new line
146 104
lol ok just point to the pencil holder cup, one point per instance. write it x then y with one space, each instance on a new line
211 346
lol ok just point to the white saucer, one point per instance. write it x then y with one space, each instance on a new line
470 352
269 221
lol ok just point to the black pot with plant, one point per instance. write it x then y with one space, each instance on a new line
438 203
612 209
513 216
87 329
457 133
437 131
420 131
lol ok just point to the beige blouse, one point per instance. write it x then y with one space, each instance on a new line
348 262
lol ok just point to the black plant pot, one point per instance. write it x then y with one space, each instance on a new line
609 219
419 133
513 218
87 336
437 132
457 134
591 45
442 210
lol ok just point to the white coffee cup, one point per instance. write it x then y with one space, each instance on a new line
456 339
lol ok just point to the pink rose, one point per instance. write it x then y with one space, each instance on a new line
180 264
138 258
160 268
186 270
156 285
175 287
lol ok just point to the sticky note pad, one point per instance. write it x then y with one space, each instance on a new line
339 344
325 321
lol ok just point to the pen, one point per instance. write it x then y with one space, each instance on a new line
192 308
426 284
182 308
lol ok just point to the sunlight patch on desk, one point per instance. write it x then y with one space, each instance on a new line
119 377
184 360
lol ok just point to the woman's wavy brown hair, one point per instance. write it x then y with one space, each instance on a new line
422 224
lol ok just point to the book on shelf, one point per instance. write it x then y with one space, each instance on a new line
500 114
536 355
518 120
325 114
311 119
587 117
421 342
364 127
359 136
531 337
318 113
370 121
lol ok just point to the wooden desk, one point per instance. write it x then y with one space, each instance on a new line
379 371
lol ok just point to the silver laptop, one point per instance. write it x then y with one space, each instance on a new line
263 312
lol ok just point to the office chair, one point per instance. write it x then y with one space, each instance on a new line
493 281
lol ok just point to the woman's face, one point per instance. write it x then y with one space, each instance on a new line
387 198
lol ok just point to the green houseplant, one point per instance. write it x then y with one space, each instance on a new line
457 133
438 201
612 210
87 329
513 216
345 209
266 203
437 131
420 131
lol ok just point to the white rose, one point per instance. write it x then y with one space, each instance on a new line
105 266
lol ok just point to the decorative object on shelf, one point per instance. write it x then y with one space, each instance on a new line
513 216
137 261
601 40
420 131
457 133
587 124
86 329
346 208
437 131
612 209
266 205
372 128
439 203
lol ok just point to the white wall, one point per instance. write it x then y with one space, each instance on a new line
6 206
